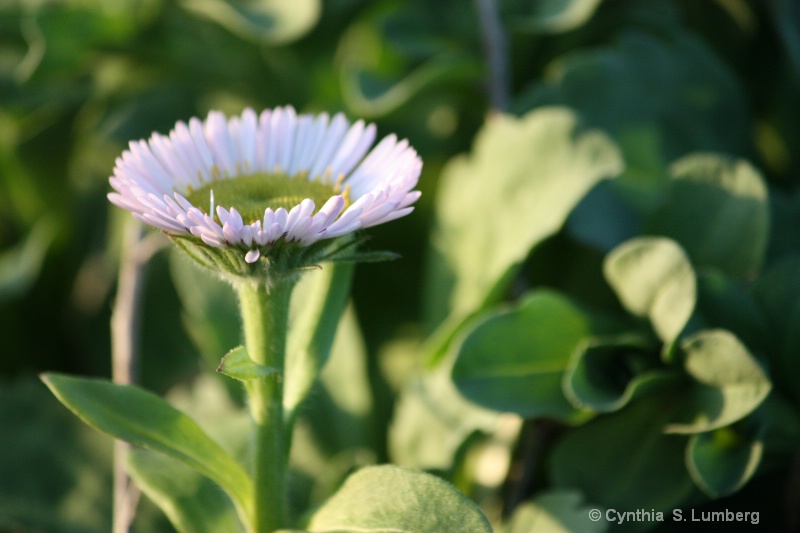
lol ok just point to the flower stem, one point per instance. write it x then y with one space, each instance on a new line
265 316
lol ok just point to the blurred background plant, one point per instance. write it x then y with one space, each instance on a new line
597 307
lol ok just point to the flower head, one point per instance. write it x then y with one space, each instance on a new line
255 184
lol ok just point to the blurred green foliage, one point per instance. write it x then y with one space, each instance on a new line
614 262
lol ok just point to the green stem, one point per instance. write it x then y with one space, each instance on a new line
265 316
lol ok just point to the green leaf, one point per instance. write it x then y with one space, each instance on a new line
390 499
144 419
605 374
318 302
541 165
556 16
265 21
624 460
560 511
722 461
237 365
728 382
653 278
193 503
514 360
717 210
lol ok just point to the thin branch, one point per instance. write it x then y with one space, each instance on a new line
496 52
125 323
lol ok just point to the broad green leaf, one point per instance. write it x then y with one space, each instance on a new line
193 503
540 165
318 303
653 278
717 209
728 383
263 21
514 360
144 419
391 499
560 511
556 16
722 461
605 374
237 365
517 188
624 460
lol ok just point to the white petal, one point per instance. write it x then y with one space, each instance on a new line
253 255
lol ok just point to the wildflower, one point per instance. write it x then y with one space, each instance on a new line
265 185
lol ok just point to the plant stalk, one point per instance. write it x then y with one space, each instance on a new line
125 323
265 317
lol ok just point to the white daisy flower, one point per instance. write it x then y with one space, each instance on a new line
255 183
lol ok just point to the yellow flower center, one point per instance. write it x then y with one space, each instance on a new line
253 194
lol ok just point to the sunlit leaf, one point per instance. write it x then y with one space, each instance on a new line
653 278
728 383
267 21
384 499
556 16
517 188
717 210
237 365
144 419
